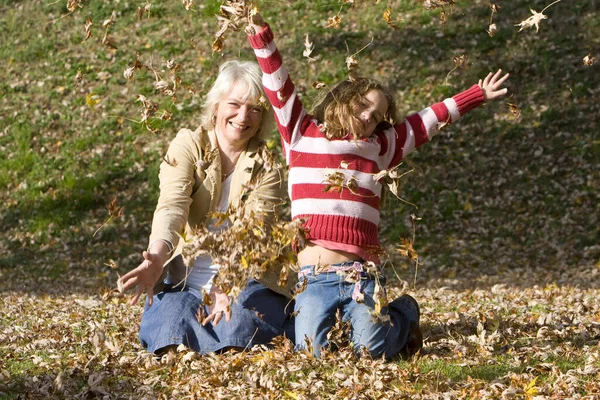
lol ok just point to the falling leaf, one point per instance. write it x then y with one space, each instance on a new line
113 209
166 116
333 22
406 249
120 286
351 63
387 16
459 61
352 185
128 73
440 126
589 59
88 28
109 42
534 20
217 45
308 48
77 79
92 100
515 110
162 86
334 182
172 65
281 97
108 22
72 5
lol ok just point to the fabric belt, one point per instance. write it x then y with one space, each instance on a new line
354 270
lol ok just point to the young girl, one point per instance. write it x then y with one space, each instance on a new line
333 157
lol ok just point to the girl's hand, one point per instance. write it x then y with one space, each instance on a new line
255 23
491 86
220 307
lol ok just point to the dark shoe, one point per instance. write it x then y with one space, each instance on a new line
414 341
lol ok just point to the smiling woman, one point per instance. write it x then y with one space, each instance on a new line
195 182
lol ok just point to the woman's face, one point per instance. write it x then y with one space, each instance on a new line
371 111
237 120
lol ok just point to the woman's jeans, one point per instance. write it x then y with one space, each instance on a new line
257 317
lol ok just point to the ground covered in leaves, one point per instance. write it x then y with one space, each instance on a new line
508 241
483 339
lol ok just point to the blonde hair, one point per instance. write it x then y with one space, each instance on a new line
232 73
335 108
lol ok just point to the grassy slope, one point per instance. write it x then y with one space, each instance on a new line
504 203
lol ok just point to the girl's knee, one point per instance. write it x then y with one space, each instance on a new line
370 337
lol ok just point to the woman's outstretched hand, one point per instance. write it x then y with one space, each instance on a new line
221 306
491 85
145 276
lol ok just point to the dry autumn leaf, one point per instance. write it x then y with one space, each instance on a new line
589 60
88 28
333 22
459 61
72 5
92 100
308 48
515 110
535 19
387 16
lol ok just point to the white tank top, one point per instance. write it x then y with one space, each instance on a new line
200 275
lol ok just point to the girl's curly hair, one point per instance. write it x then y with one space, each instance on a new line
335 108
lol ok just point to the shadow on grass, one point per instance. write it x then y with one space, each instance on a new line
71 248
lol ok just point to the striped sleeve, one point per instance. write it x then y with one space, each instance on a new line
419 128
279 88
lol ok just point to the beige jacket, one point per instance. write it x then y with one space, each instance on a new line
190 187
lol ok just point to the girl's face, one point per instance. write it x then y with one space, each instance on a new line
371 111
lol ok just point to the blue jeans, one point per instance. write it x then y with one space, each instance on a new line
325 293
257 317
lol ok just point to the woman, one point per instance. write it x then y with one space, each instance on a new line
204 171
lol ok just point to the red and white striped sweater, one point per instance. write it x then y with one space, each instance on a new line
348 217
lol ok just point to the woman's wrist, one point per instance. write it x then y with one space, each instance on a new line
161 249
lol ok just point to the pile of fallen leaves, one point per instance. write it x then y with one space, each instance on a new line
480 342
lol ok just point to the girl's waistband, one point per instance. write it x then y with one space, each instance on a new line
364 268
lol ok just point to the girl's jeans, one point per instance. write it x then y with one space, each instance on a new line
317 305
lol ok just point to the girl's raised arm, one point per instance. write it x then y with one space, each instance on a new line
289 111
419 128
